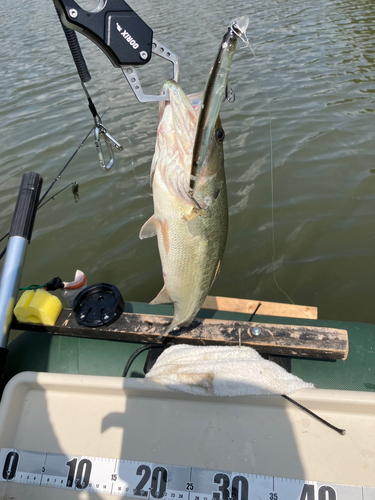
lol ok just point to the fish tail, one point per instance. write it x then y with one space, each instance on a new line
177 322
173 326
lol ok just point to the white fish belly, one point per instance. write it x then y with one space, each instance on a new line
190 249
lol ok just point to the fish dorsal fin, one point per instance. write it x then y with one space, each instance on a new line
162 297
149 228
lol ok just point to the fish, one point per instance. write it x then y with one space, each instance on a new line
188 183
191 241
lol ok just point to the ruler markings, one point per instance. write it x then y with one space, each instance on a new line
148 481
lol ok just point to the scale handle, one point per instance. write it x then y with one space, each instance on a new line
26 206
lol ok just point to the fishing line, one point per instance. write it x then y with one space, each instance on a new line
247 45
272 198
54 195
137 179
273 216
273 206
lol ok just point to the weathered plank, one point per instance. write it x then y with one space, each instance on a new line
261 307
284 340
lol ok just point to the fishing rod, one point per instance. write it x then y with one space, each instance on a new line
74 184
67 163
76 197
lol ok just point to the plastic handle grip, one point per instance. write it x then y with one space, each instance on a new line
3 356
27 203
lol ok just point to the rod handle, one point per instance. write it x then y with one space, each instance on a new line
3 355
26 206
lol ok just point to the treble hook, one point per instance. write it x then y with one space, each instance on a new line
229 95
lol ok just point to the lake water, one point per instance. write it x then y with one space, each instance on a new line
310 87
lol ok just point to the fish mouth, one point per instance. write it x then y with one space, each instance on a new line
182 134
186 105
178 118
183 113
177 136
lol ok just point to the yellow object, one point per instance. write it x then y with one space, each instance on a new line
38 307
21 311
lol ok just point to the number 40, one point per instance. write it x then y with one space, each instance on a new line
324 493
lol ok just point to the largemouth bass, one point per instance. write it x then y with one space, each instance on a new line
189 191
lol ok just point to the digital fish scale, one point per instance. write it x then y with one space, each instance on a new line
135 479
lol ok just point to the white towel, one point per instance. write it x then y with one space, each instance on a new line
222 371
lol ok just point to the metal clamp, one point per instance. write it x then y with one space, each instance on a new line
133 80
122 35
102 131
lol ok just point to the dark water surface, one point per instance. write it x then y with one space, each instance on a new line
312 82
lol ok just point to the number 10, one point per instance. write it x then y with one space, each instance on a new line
83 473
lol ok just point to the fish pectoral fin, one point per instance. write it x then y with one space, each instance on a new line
217 271
149 228
191 215
196 212
162 297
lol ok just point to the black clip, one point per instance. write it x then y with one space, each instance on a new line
121 34
114 27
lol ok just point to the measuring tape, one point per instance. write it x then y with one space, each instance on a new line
129 478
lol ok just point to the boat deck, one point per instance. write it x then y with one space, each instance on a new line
41 351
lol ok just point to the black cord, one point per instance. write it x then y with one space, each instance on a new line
144 347
303 408
76 52
256 310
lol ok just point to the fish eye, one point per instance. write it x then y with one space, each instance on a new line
220 134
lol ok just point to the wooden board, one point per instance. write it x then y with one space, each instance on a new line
261 307
284 340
